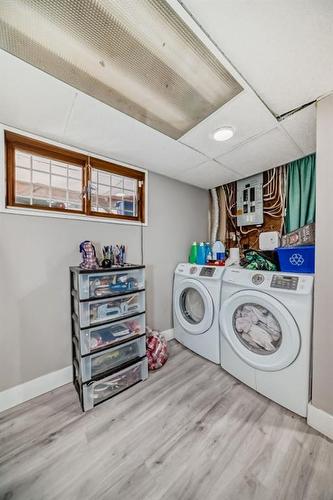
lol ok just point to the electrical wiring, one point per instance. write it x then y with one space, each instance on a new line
274 203
276 209
269 192
249 230
269 187
269 179
252 247
273 193
230 194
228 207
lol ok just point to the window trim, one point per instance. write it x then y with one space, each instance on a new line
119 170
24 143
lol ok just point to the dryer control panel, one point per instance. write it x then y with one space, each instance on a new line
285 282
200 272
208 272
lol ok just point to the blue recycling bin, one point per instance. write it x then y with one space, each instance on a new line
297 259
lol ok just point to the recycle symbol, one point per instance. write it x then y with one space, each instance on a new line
296 259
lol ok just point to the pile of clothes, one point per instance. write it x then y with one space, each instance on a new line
257 260
257 328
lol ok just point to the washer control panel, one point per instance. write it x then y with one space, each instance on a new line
207 272
284 282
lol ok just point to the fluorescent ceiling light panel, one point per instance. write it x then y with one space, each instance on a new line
137 56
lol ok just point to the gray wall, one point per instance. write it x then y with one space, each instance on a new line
35 253
322 393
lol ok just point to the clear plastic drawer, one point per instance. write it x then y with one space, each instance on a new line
101 285
104 336
96 364
98 391
101 311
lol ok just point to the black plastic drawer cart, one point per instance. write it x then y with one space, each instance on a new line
108 331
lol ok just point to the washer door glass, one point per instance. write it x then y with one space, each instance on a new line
192 305
260 329
257 328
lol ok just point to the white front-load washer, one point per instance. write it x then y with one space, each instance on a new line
266 325
196 305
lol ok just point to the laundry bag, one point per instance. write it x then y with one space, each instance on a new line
157 349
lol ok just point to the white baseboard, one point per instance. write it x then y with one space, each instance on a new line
29 390
320 420
168 334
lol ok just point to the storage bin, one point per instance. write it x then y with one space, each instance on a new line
95 364
101 311
104 336
297 259
108 283
95 392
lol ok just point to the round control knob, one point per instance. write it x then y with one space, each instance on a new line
257 279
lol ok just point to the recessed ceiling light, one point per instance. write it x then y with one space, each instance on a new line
223 133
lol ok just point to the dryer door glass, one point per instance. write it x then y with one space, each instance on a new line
257 328
192 306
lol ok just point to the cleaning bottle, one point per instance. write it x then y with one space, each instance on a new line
201 254
209 253
193 253
218 250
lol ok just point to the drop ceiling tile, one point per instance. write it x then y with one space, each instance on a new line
32 100
208 175
301 126
262 153
282 48
246 113
99 128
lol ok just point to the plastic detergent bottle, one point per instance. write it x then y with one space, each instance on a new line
209 253
201 254
218 250
193 253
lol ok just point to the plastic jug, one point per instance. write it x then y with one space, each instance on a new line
209 252
201 254
218 250
193 253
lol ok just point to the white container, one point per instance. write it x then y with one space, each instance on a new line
95 364
95 392
218 250
269 240
100 285
104 336
234 257
100 311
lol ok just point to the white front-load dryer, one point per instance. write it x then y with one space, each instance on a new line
266 324
196 305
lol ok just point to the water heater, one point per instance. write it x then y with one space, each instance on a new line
250 201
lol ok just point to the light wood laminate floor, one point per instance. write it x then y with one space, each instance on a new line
190 432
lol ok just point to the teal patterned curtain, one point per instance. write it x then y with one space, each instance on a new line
301 193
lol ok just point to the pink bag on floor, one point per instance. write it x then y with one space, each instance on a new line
157 349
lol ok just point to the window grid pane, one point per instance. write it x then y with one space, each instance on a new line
44 176
113 194
47 183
